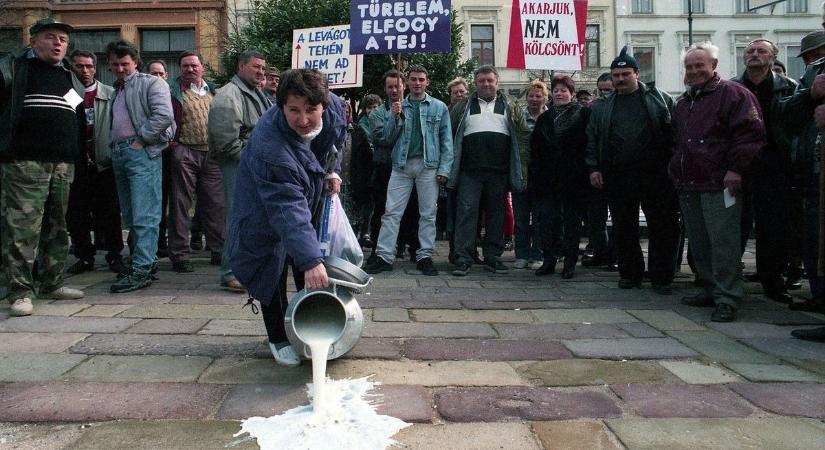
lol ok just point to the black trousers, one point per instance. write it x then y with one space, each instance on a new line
93 206
568 213
408 230
480 191
600 238
166 189
772 214
654 192
273 314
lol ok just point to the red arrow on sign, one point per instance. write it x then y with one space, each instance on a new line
297 55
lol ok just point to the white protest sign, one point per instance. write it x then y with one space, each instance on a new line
327 49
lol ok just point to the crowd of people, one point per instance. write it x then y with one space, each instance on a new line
724 157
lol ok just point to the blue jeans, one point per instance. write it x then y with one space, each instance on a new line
527 221
138 179
229 171
398 194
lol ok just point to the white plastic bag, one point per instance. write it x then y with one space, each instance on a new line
336 235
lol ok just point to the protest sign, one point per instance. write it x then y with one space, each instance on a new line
547 34
328 50
390 26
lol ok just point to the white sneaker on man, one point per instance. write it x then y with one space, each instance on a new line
21 307
520 264
63 293
535 265
286 356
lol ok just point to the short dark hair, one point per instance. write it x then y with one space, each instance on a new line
121 48
84 54
157 61
779 63
308 83
486 68
244 57
369 100
419 69
582 93
187 53
607 76
565 81
392 73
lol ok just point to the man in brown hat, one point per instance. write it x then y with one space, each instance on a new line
812 47
273 77
41 116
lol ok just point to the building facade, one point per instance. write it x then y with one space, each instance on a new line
656 32
161 29
486 28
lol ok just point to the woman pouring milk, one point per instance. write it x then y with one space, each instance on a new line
284 172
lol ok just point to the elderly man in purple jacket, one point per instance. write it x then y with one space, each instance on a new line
718 130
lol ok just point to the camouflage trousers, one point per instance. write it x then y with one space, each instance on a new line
33 198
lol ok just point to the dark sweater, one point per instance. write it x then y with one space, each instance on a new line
49 128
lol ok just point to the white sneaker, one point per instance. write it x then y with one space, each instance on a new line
535 265
285 356
62 293
21 307
520 264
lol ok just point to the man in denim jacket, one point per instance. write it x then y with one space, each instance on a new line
142 126
422 156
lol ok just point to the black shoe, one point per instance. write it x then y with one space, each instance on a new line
611 267
496 266
378 266
662 288
813 334
700 300
592 261
723 313
548 267
461 269
131 282
567 272
184 266
780 297
215 259
793 285
81 266
196 241
116 265
425 266
626 283
753 277
809 305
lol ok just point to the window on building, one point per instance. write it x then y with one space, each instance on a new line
95 41
645 56
698 6
742 7
796 6
11 39
592 50
166 45
697 38
483 44
794 66
642 7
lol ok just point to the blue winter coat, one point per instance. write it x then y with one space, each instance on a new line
279 186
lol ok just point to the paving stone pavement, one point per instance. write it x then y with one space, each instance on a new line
484 361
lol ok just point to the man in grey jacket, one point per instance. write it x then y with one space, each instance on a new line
142 126
235 110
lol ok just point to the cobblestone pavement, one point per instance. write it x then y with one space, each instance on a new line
484 361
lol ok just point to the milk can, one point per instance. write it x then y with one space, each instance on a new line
333 308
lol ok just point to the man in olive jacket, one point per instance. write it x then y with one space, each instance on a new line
234 112
490 145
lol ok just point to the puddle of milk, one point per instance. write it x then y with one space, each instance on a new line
347 422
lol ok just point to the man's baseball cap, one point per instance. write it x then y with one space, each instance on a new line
48 22
811 41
